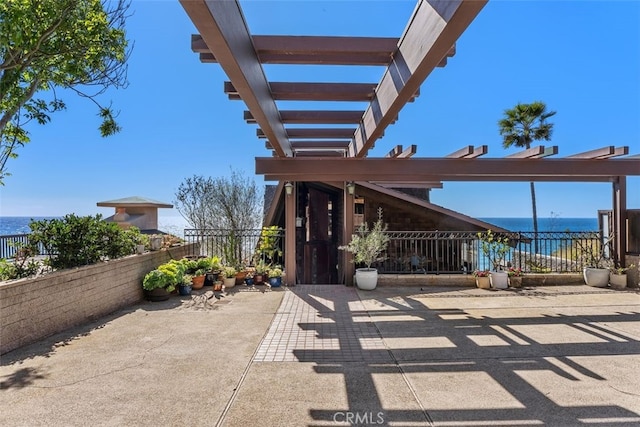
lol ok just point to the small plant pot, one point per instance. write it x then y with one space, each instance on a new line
240 276
499 279
618 281
198 281
217 286
366 278
483 282
157 294
275 282
596 277
248 281
139 249
229 282
184 289
515 281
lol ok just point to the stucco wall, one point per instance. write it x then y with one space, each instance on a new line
32 309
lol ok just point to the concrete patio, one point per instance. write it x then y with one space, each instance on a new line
316 355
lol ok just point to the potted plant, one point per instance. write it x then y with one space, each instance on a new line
197 279
185 287
260 271
496 249
367 247
515 277
482 279
229 277
213 271
248 280
618 276
141 240
157 285
275 276
596 270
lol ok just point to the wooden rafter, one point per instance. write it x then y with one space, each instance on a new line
322 144
601 153
319 153
315 117
312 133
433 30
469 152
395 152
324 50
537 152
294 91
408 152
224 30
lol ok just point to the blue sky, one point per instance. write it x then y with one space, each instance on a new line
580 57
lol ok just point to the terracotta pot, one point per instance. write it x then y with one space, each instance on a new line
240 275
197 282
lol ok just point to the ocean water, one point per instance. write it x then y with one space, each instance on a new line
545 224
176 225
20 224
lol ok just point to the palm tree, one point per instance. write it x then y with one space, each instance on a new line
522 125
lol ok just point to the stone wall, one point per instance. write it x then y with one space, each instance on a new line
32 309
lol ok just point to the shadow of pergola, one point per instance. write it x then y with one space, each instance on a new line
465 354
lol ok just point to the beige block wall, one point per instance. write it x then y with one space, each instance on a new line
32 309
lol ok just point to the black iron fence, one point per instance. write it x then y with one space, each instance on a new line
461 251
422 251
239 247
10 245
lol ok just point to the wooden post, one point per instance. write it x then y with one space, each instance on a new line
347 230
290 235
620 218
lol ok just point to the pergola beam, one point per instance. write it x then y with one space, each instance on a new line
314 117
408 184
432 31
321 144
469 152
225 32
395 152
303 133
537 152
601 153
408 152
298 91
318 50
439 169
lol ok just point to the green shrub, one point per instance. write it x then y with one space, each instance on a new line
75 241
157 279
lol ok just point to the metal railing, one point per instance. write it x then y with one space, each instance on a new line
237 247
427 252
460 251
10 244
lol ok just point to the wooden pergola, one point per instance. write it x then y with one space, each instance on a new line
319 145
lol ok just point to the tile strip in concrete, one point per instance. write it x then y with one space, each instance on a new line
322 323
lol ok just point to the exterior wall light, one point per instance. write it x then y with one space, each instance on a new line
351 188
288 188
